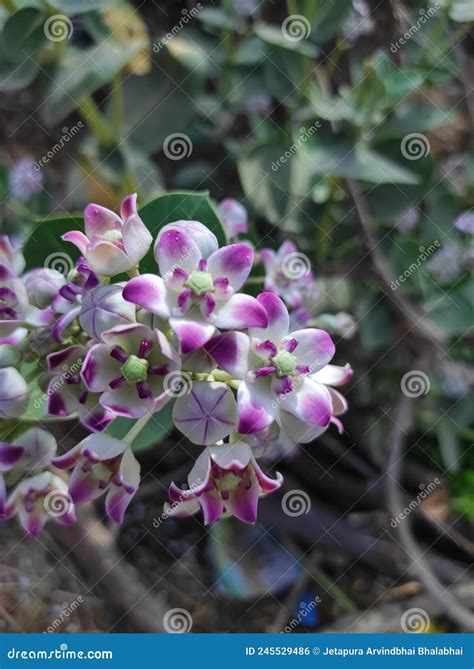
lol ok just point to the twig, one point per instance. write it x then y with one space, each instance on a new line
402 422
420 324
92 547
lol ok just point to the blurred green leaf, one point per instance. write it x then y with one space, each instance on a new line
45 239
329 18
16 76
449 445
83 71
462 11
274 36
22 34
158 428
71 7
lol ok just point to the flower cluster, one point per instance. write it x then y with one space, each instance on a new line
92 346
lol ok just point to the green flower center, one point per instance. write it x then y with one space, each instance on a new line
200 282
285 363
135 369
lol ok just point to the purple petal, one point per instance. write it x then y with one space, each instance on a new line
148 292
241 311
230 350
232 262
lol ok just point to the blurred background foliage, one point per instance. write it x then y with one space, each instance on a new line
337 99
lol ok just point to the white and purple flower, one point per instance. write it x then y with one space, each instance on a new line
225 480
112 244
198 293
233 217
282 374
128 369
102 464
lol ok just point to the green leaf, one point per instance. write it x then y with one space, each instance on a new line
71 7
274 36
15 77
158 428
329 19
45 240
22 34
82 72
165 104
182 205
462 10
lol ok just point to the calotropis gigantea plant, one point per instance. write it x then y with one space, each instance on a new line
97 346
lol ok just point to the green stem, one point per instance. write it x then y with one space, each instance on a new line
334 590
255 280
134 431
95 120
116 104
